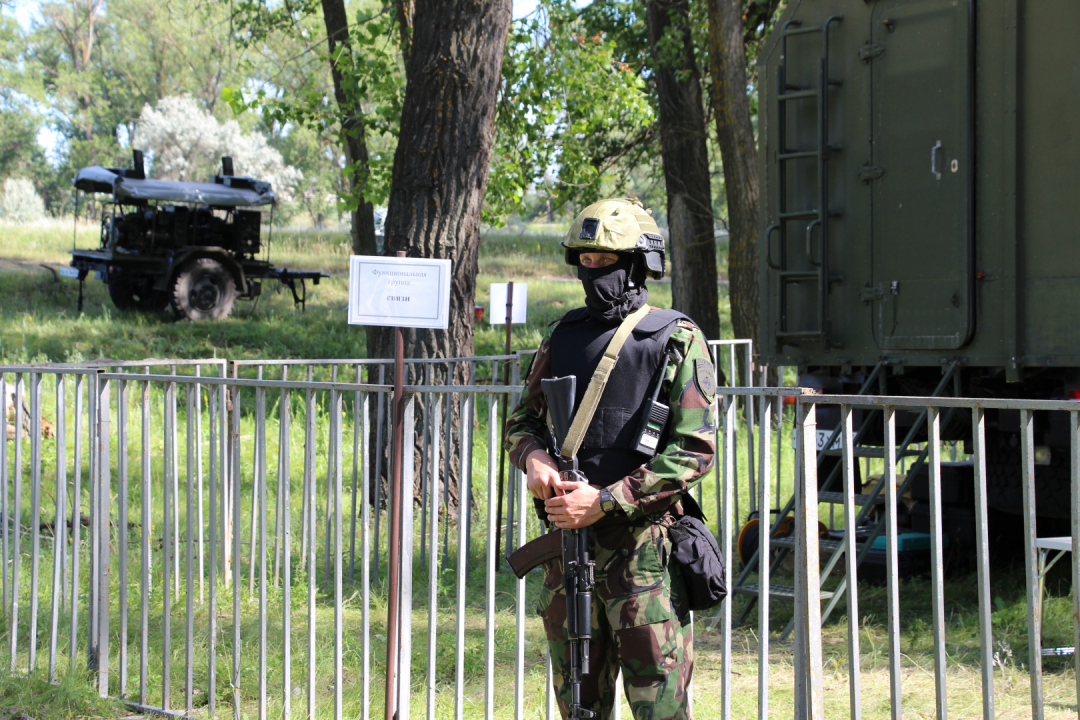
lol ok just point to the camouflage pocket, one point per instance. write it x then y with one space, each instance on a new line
630 559
643 608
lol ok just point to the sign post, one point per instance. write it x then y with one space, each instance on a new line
397 292
497 289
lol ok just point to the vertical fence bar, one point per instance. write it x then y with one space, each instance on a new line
4 519
425 467
1074 456
1031 566
59 547
255 490
937 570
748 361
122 525
355 477
727 525
331 473
76 521
462 570
197 408
16 514
189 555
101 505
144 549
335 498
519 640
404 676
234 478
213 409
167 547
492 560
285 492
808 666
310 452
448 433
891 563
35 515
763 559
986 626
850 562
92 527
380 404
309 471
260 491
433 556
174 478
365 556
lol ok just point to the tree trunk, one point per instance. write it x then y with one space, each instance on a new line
686 164
352 125
735 135
453 75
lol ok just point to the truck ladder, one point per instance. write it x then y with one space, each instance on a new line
817 217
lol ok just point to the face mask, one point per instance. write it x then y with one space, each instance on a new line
612 292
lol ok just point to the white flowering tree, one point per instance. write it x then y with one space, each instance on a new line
19 201
187 143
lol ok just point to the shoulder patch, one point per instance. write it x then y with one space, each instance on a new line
705 378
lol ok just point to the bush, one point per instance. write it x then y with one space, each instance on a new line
19 201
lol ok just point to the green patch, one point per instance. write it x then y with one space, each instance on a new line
705 378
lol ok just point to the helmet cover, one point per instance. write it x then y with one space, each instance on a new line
617 225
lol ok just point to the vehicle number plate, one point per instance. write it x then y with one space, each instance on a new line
69 272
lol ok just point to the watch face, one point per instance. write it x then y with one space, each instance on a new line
607 503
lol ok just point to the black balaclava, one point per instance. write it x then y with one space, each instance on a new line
615 291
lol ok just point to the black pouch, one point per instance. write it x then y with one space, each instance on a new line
695 551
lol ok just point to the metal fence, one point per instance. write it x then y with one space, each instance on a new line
182 588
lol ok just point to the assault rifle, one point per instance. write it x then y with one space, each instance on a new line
577 565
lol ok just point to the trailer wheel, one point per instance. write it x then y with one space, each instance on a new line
203 290
136 292
1004 486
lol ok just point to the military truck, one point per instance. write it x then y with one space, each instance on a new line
919 161
191 246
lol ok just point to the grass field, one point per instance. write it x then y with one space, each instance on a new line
39 323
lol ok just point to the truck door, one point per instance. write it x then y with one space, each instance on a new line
921 171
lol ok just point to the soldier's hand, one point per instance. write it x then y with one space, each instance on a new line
576 505
542 474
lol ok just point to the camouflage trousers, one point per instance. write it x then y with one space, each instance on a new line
640 624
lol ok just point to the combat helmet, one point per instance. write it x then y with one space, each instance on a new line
617 225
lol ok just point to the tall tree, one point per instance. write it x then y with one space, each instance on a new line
353 129
738 152
686 163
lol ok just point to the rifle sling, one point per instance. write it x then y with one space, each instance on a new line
572 442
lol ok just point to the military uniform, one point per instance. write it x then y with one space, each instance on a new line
640 620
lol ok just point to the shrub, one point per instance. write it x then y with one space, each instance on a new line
19 201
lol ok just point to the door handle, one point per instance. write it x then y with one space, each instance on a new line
934 152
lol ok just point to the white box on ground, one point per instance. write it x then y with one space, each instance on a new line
399 292
497 311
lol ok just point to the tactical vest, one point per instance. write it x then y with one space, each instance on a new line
607 451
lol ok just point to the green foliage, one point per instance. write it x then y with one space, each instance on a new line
372 79
568 110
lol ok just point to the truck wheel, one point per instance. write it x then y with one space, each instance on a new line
1004 488
135 292
203 290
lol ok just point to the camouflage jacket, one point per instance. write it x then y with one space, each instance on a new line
690 450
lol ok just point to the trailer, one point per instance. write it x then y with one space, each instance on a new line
194 247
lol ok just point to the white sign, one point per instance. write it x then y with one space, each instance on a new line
497 311
399 292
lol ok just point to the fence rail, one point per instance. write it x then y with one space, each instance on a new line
148 536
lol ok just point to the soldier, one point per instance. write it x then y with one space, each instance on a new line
640 621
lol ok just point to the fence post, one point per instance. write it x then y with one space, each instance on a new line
101 508
809 696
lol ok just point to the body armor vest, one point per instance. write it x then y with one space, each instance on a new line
607 451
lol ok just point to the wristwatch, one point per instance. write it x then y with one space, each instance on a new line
607 503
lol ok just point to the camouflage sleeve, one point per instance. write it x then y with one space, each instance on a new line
526 427
690 449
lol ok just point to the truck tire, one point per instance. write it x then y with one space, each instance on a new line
1004 487
136 292
203 290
